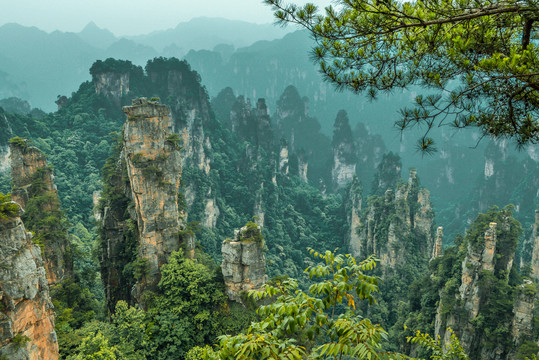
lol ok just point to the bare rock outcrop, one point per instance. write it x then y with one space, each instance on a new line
244 264
5 135
27 163
26 311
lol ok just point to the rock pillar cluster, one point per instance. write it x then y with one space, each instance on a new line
26 312
390 222
244 264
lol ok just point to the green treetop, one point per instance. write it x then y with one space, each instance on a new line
487 47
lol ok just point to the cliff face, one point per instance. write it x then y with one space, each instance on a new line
396 226
34 190
26 312
344 152
150 155
244 264
113 85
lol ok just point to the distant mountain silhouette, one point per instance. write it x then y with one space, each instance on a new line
97 37
206 33
52 64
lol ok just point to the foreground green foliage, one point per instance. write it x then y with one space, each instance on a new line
321 324
190 309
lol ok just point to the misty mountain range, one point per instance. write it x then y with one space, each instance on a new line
38 66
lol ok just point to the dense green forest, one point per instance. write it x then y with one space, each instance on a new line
248 176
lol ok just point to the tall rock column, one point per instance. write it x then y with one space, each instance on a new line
344 152
535 241
34 190
353 209
153 164
396 225
437 250
26 312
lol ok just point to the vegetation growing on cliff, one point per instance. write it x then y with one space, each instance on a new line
8 209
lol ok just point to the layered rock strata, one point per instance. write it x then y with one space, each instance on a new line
140 222
26 311
244 264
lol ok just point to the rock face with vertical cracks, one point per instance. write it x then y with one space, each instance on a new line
26 312
244 264
153 164
33 185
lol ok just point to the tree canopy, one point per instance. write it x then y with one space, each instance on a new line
478 60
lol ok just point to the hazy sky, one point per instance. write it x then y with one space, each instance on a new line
130 17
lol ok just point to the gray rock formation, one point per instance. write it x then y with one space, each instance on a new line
5 131
244 264
26 311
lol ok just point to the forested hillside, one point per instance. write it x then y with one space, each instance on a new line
146 286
